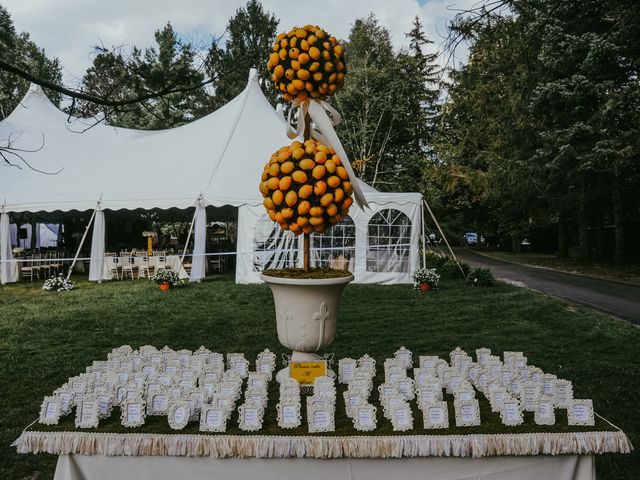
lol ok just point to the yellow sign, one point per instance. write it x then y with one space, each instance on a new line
306 372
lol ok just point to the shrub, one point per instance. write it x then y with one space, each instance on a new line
481 277
433 260
451 269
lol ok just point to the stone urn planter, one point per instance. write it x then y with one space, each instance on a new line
306 314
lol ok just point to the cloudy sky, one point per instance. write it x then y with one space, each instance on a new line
68 29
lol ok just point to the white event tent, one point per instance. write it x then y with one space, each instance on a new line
214 161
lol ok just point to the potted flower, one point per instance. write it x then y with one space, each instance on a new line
166 279
307 187
425 279
58 284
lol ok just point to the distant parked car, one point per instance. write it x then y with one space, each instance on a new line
470 239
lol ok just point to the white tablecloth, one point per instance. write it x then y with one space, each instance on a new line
172 262
98 467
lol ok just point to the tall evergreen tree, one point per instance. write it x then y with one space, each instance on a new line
251 33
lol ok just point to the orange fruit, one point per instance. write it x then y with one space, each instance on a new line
304 207
285 183
274 58
328 67
342 173
330 165
308 229
319 188
299 176
298 84
302 96
287 167
284 225
347 202
333 181
348 188
338 195
316 221
294 52
302 221
287 97
295 228
308 86
338 50
321 157
304 45
287 213
284 43
317 76
264 188
332 88
332 209
274 170
298 153
336 160
318 172
277 196
314 52
282 54
307 164
273 183
272 214
316 211
326 199
303 74
291 198
310 148
295 64
314 67
312 39
301 33
305 191
303 58
289 74
268 203
292 89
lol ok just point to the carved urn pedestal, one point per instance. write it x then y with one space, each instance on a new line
306 313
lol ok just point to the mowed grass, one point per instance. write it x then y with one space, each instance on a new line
47 337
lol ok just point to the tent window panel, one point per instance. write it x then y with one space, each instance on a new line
388 242
273 247
335 248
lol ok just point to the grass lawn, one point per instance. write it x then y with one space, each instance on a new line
606 270
47 337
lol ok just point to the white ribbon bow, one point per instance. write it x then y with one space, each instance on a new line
322 130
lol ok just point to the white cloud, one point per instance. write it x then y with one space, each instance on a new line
68 29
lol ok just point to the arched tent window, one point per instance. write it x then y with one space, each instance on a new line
388 242
273 247
335 248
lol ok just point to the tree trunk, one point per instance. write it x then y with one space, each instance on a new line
618 255
516 243
600 243
583 227
563 243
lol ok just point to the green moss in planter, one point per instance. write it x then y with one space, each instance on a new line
313 273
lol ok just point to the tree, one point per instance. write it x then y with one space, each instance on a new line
171 65
251 34
20 50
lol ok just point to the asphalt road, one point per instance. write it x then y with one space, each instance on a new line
616 299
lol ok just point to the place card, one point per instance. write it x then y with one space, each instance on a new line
467 413
549 385
394 373
364 418
422 375
515 387
105 404
506 374
391 402
256 396
223 402
402 418
510 412
289 388
320 417
452 379
346 369
257 381
178 415
429 394
213 418
510 358
267 356
386 389
87 412
473 371
456 356
158 403
250 417
435 415
404 356
580 412
66 396
196 399
428 361
535 375
351 402
184 357
497 396
289 414
237 363
482 354
529 395
50 410
368 363
406 387
132 413
465 392
564 393
544 412
153 386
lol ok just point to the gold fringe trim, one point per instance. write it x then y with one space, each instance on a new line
222 446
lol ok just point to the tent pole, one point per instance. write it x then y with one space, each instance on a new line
86 230
443 236
424 245
186 244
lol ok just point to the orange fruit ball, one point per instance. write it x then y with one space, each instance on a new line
268 203
277 196
291 198
304 207
307 164
285 183
287 213
330 165
333 181
318 172
287 167
274 170
305 191
326 199
273 183
342 173
299 176
319 188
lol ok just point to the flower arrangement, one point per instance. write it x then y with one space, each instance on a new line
425 276
57 284
167 276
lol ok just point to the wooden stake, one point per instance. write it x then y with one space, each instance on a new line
306 251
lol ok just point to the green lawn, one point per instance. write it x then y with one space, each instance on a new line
47 337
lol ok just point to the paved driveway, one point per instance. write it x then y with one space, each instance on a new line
617 299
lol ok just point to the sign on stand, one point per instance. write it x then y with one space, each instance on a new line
306 372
